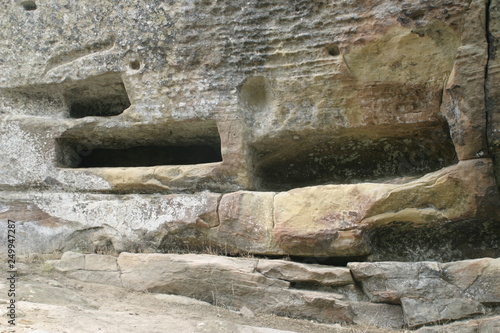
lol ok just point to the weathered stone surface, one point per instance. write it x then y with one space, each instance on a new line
296 94
331 220
189 218
477 279
312 305
464 94
377 315
110 223
229 282
470 326
95 262
163 268
41 232
419 312
388 282
246 312
103 277
422 293
371 103
89 268
71 261
431 292
321 221
297 272
246 223
492 80
180 300
361 82
488 325
220 326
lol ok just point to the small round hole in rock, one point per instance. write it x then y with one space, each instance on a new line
333 50
135 65
28 5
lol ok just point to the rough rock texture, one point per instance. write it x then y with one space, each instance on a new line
50 302
233 283
492 83
150 126
377 315
390 281
332 220
418 312
396 294
464 92
329 131
319 222
367 104
246 223
109 223
295 272
489 325
431 292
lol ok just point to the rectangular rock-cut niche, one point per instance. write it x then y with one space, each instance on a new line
99 96
352 156
142 146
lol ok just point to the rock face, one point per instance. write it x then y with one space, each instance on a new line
323 130
229 282
352 220
431 292
481 325
390 294
492 84
333 219
187 101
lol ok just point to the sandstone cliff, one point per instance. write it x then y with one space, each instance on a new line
332 131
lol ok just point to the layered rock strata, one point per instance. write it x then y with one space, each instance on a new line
318 222
385 294
314 129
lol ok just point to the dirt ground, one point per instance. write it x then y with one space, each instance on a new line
48 302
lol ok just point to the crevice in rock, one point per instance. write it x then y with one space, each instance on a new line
143 156
217 212
92 240
138 146
489 96
100 96
135 65
310 285
29 5
346 158
189 241
328 261
333 50
489 39
467 239
68 56
491 309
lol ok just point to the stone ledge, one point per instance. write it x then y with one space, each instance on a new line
402 294
378 221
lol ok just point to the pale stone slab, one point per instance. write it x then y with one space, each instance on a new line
297 272
102 277
246 223
98 262
71 261
419 312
